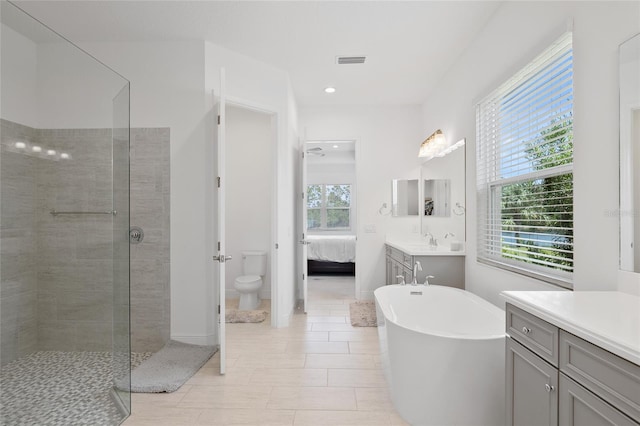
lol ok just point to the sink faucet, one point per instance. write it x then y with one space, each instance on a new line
433 243
416 267
426 280
449 234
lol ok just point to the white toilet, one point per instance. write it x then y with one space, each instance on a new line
254 266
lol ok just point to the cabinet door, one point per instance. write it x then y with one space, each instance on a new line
580 407
532 397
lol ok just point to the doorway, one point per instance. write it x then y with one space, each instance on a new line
250 200
331 223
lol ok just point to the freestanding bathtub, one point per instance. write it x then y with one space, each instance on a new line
443 355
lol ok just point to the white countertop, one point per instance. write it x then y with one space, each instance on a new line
608 319
417 247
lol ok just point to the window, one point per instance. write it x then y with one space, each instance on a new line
525 169
328 206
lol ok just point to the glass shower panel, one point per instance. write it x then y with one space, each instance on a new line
64 218
121 255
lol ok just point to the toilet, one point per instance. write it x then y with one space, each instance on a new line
254 266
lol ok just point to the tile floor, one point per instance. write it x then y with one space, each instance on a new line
318 371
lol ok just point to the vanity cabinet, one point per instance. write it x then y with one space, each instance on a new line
447 270
554 377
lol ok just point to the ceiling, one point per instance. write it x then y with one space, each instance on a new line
409 45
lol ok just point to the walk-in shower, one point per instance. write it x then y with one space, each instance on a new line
64 222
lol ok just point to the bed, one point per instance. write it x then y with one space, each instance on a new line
331 254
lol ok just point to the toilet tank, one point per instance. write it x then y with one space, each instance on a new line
254 262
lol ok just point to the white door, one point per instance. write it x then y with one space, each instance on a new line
221 258
303 224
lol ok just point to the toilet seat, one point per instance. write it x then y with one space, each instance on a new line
248 279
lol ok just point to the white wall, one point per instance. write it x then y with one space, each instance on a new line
387 142
249 152
319 172
19 80
514 36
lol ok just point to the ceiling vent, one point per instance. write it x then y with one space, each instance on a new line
343 60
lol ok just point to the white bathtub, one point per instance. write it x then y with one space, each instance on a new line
443 355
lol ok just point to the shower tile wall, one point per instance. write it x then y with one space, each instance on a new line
18 245
56 290
75 267
150 307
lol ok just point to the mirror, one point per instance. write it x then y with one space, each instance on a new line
436 195
404 197
444 183
629 57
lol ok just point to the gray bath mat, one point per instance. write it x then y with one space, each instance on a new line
363 313
233 315
170 367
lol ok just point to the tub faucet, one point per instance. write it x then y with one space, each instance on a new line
426 280
402 278
416 267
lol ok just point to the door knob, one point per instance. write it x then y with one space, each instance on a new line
222 258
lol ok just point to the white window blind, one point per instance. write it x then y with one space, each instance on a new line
525 169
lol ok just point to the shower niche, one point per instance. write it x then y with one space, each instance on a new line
64 244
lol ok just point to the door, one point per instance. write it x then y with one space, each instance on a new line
303 225
221 258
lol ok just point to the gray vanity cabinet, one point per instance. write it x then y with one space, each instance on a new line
447 270
554 377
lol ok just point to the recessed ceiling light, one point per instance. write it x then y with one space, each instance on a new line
330 90
335 146
51 152
21 145
36 149
64 155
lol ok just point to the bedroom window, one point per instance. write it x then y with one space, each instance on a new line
525 169
328 206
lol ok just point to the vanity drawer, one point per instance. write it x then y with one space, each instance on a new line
395 254
537 335
614 379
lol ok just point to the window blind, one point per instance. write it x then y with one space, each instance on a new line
525 169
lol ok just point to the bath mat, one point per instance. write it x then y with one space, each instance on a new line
170 367
233 316
363 313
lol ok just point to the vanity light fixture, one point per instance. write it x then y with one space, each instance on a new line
433 145
330 89
436 145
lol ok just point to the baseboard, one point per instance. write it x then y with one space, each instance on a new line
208 340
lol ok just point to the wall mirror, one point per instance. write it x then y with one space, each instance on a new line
444 183
629 56
436 195
404 197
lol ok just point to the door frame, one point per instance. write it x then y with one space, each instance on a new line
357 148
273 251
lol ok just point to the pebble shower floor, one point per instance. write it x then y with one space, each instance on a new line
60 388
